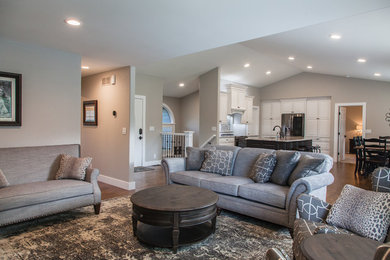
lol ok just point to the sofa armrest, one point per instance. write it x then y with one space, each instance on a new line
170 165
91 176
305 185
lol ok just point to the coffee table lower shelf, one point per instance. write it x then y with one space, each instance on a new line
162 236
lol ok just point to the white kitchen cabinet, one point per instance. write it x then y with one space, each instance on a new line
311 128
270 116
288 106
318 108
312 109
324 108
236 98
226 141
253 127
267 125
323 128
247 117
223 107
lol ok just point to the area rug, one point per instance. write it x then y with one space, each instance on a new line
142 169
80 234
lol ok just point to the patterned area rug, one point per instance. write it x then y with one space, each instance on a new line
80 234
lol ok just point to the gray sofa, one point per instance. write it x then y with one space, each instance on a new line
33 190
267 201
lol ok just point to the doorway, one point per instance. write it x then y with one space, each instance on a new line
139 109
350 120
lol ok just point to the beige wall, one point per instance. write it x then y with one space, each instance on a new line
341 90
105 142
175 105
50 95
209 103
152 88
190 115
353 118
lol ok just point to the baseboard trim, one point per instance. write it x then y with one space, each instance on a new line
150 163
117 183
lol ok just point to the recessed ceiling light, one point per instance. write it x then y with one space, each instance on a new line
73 22
268 72
291 58
335 36
181 85
247 65
309 67
85 67
376 74
361 60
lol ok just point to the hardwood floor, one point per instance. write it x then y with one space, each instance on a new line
343 173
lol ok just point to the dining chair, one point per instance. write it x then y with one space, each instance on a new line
357 145
375 154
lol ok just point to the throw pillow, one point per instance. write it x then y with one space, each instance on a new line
366 213
3 180
73 167
285 164
307 166
263 168
195 158
218 161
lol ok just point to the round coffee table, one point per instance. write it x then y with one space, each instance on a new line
173 215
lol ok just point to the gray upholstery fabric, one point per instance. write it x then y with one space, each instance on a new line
234 149
306 166
312 208
263 168
366 213
3 180
285 164
226 185
191 178
170 165
218 161
328 164
276 254
29 164
21 195
195 158
381 179
246 157
267 193
92 177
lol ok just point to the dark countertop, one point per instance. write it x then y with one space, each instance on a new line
284 140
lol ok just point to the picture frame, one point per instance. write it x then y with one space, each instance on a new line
90 113
10 99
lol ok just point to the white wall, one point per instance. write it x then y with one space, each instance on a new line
51 90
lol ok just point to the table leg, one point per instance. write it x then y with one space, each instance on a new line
134 220
175 232
213 223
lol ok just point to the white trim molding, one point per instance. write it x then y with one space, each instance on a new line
143 98
336 123
150 163
117 183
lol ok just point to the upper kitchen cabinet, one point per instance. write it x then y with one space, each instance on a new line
247 117
318 108
293 106
270 110
236 98
223 107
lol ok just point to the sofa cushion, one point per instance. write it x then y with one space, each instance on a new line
246 157
285 164
366 213
20 195
226 185
3 180
195 158
263 168
267 193
191 178
218 161
307 166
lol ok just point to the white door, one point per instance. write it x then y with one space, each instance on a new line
342 134
139 128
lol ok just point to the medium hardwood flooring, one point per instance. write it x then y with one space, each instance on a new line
343 174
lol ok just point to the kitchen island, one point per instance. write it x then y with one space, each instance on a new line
286 143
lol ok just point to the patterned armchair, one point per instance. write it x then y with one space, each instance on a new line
313 212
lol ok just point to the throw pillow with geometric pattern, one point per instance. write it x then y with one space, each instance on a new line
366 213
73 167
312 208
263 168
218 161
381 179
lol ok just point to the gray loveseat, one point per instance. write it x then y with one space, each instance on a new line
33 190
267 201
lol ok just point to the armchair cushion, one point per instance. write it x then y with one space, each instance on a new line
312 208
366 213
381 179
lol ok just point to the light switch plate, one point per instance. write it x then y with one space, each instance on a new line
213 128
151 128
124 130
368 131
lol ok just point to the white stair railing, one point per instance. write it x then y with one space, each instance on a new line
174 144
209 141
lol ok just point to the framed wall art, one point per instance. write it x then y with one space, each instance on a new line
10 99
90 115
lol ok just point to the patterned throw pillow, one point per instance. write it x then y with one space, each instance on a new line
3 180
366 213
381 179
263 167
72 167
218 161
312 208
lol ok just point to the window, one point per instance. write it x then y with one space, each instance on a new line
166 117
168 120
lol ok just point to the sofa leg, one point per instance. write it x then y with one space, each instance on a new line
97 208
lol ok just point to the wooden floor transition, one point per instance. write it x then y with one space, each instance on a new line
343 173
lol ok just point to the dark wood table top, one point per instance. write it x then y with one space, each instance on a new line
174 198
339 246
